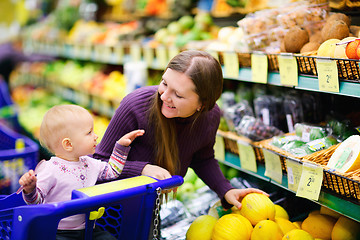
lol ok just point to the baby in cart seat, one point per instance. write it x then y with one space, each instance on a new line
68 132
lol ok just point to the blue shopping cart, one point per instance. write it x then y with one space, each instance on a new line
8 110
18 154
128 206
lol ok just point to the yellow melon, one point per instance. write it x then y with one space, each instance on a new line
297 234
339 51
266 230
285 225
281 212
346 157
345 229
327 48
298 224
231 226
318 225
257 207
201 228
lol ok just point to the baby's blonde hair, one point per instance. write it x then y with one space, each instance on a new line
54 127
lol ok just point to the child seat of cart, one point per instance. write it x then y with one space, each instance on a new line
129 205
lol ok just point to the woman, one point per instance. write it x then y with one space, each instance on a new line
180 118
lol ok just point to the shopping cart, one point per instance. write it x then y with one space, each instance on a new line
8 110
128 206
18 154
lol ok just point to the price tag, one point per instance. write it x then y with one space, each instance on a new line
219 148
231 64
173 51
288 70
135 52
87 51
294 170
77 51
327 75
119 53
106 53
214 54
272 166
161 56
310 181
247 156
149 55
259 68
83 98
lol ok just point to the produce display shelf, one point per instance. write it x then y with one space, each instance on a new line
342 206
305 83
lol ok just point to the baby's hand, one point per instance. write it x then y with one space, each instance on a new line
28 181
128 138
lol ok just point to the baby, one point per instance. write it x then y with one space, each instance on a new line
68 132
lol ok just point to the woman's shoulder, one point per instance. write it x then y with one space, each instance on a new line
141 93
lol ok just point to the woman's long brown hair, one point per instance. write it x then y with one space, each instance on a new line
205 71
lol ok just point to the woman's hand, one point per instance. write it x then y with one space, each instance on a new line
234 196
128 138
156 172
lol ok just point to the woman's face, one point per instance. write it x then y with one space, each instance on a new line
177 92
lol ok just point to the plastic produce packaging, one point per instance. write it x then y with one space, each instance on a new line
235 113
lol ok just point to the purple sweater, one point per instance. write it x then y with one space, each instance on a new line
195 142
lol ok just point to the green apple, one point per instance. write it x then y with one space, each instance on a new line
190 176
185 191
186 22
174 28
199 184
231 173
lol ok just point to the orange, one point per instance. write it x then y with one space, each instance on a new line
351 49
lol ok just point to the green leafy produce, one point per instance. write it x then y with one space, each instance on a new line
316 133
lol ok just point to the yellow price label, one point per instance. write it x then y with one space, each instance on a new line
231 64
259 68
149 55
173 51
247 156
294 170
135 52
219 148
161 56
327 75
119 53
273 168
19 145
288 70
310 181
215 54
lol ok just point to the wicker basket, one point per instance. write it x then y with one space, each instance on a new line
353 3
266 144
306 65
346 185
348 69
230 140
273 62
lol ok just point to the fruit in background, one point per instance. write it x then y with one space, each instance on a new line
280 212
232 226
318 225
185 191
298 224
199 184
257 207
351 49
190 176
335 29
346 157
203 21
232 173
285 225
295 39
217 211
201 228
161 34
340 48
174 28
345 229
309 47
186 22
327 48
266 230
297 234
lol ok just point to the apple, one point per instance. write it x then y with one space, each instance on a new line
186 22
185 191
231 173
190 176
174 28
199 184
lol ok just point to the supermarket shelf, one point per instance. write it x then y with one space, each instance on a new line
309 83
331 201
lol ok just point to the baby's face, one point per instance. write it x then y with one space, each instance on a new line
83 137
